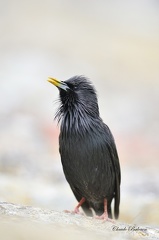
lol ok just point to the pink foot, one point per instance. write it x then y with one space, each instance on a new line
75 211
104 217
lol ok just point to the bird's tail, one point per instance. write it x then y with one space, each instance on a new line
117 198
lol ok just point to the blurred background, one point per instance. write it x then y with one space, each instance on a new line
115 44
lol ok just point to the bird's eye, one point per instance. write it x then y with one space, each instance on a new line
72 86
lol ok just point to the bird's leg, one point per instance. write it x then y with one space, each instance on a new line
104 216
76 210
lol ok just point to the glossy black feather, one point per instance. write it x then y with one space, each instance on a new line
88 152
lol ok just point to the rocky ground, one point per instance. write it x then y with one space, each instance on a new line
24 222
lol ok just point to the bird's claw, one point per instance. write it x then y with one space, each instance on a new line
105 218
75 211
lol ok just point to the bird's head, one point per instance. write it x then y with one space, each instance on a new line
77 95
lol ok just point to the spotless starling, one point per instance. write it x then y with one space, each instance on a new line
87 148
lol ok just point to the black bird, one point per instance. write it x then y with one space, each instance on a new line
87 148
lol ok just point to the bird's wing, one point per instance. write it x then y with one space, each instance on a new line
115 162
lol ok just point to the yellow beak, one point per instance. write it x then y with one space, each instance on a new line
58 83
54 81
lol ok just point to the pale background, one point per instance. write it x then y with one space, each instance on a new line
115 44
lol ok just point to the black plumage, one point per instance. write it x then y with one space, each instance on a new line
87 148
